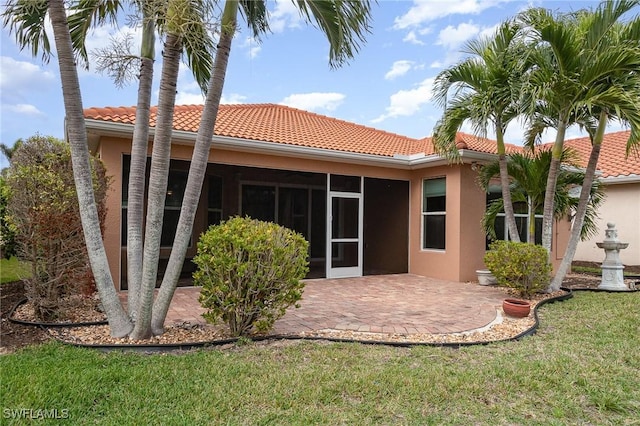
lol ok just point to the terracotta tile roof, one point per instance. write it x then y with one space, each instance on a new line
291 126
613 160
278 124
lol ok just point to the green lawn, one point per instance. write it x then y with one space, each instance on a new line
13 270
580 368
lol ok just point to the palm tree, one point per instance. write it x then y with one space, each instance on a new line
27 20
528 172
343 23
624 90
8 151
577 57
183 21
485 92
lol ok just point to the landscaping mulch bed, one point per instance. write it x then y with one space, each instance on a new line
14 336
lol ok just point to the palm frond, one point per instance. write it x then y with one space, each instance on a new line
26 20
344 23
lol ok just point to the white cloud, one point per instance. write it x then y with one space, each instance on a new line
284 16
24 109
185 98
453 37
407 102
252 46
398 69
19 77
328 101
233 98
425 11
412 38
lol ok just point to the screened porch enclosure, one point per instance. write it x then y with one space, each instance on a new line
298 201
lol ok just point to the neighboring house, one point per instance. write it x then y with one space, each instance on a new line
369 201
621 176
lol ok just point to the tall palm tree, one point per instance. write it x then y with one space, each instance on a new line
345 25
528 172
190 25
623 88
486 93
577 56
26 19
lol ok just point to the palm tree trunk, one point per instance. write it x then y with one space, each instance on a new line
197 168
159 175
119 322
552 179
532 221
509 214
137 169
578 220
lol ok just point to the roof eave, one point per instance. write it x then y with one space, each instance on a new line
618 180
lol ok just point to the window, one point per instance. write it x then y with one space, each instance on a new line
434 211
522 219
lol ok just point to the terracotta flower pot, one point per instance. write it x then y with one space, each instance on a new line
516 308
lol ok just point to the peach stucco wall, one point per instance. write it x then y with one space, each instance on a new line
465 241
622 207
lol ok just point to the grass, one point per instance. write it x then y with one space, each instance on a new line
594 270
13 270
580 368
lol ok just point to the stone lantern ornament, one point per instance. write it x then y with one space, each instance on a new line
612 267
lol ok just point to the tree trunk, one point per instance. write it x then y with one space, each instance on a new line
159 175
137 169
197 168
532 221
583 203
552 179
509 214
119 322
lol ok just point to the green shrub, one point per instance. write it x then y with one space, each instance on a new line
43 210
521 266
7 231
250 272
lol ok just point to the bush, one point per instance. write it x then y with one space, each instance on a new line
43 210
521 266
250 272
7 231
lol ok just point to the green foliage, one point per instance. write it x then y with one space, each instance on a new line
521 266
7 231
250 272
43 209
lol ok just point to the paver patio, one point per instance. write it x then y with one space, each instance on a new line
403 304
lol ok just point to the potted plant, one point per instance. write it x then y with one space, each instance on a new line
522 267
485 277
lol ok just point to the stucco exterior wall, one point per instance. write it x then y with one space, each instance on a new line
465 241
465 205
622 207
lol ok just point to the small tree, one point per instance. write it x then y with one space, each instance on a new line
521 266
43 210
250 272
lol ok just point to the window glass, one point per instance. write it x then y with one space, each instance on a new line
342 183
434 206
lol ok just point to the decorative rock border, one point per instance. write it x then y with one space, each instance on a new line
171 347
49 324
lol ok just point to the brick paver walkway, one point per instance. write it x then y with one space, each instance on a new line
402 304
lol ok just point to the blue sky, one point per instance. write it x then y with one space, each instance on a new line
387 85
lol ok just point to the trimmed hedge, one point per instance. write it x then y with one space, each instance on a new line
250 272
